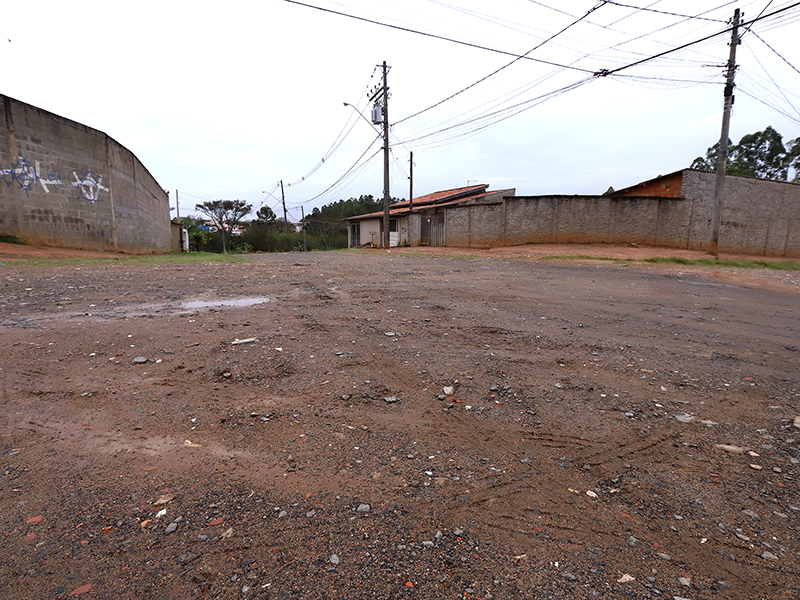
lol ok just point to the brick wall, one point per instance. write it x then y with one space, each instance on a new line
663 187
65 184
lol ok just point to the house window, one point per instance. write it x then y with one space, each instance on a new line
393 225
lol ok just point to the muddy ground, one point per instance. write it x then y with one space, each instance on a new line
399 425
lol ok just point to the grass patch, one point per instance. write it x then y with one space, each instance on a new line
727 263
736 263
190 258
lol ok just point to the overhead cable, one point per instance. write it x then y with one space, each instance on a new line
346 173
663 12
495 72
526 104
335 145
437 37
765 103
777 87
775 51
607 72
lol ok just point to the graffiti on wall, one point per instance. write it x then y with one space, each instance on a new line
88 187
27 176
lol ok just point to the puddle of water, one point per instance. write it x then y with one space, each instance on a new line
195 304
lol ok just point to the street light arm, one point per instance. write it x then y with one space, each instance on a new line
360 114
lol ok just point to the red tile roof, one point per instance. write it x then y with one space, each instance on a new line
442 198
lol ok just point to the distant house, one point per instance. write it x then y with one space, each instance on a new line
674 210
420 222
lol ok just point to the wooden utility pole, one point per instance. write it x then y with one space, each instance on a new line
386 195
411 181
285 219
722 159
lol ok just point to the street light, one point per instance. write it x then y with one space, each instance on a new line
360 114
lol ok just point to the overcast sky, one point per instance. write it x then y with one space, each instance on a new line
221 100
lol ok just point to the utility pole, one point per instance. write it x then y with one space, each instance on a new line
303 215
386 195
285 220
722 159
177 207
411 181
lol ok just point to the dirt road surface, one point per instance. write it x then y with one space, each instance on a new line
399 425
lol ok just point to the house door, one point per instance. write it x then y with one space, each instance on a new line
432 230
437 229
355 235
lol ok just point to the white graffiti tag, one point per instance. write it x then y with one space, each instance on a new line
26 176
51 179
88 186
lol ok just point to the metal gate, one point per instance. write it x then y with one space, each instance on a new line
432 230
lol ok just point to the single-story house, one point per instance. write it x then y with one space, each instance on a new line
419 222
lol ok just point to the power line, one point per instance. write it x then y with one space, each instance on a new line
777 87
346 173
527 104
336 142
495 72
605 73
763 10
183 193
775 51
437 37
742 90
663 12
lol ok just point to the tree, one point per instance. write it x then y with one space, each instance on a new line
282 224
328 224
793 157
760 154
265 217
197 234
709 161
225 214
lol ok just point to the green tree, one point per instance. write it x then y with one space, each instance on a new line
265 217
197 236
709 161
760 154
225 214
327 223
793 157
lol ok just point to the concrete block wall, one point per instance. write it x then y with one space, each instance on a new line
66 184
635 220
584 219
414 225
759 217
531 220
